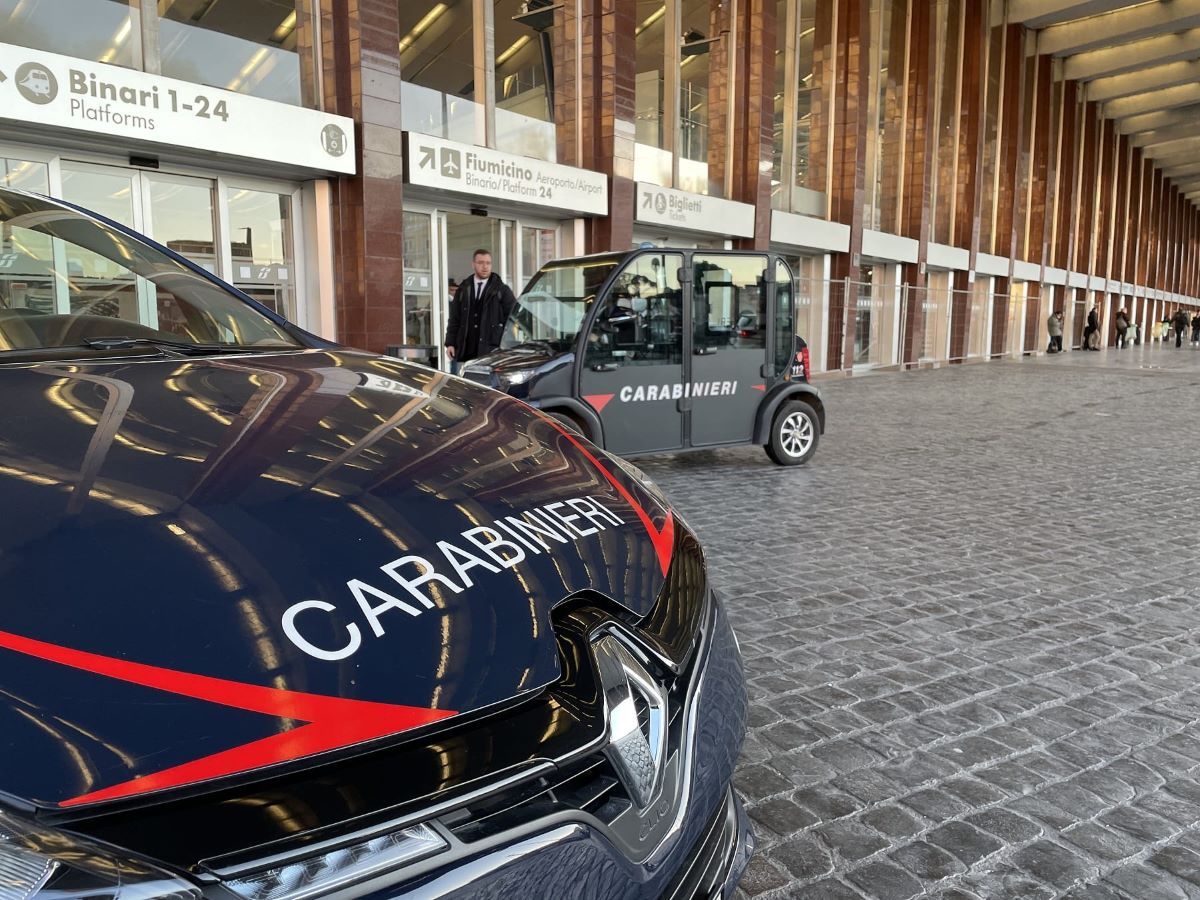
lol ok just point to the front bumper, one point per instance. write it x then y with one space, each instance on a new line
575 856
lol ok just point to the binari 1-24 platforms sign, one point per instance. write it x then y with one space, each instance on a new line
48 89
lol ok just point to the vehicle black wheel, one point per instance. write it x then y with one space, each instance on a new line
566 422
795 433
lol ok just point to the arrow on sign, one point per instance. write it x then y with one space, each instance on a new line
3 78
426 158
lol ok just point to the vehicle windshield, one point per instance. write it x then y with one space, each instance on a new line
552 308
68 281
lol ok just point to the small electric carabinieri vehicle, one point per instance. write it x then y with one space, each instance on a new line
283 620
655 350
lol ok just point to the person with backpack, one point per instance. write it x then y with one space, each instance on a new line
1180 321
1122 327
1054 327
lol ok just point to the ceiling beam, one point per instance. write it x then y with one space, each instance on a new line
1132 56
1040 13
1120 27
1174 148
1166 118
1172 160
1167 98
1186 170
1152 78
1165 135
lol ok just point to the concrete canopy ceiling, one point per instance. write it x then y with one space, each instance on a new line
1140 62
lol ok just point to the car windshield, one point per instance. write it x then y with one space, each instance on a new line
69 281
552 308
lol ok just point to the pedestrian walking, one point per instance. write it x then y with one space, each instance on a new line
1091 334
1054 327
1196 330
477 313
1134 333
1122 327
1180 322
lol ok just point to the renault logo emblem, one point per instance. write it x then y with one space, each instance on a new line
636 709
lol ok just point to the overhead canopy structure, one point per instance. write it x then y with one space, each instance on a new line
1140 62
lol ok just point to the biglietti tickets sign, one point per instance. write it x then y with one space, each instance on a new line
693 212
490 174
48 89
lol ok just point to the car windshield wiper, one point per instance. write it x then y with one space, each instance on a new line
186 347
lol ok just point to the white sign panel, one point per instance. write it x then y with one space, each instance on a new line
48 89
490 174
694 212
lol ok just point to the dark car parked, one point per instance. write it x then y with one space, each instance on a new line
283 620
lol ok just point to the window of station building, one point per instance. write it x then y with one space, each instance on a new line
262 248
26 256
884 112
524 75
652 153
248 46
102 30
437 65
695 67
795 29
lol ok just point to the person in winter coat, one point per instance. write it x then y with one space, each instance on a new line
1122 327
1091 334
1180 322
478 312
1054 327
1196 330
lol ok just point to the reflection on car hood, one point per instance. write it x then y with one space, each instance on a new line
209 566
523 357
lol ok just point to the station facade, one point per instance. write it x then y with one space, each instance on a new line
941 174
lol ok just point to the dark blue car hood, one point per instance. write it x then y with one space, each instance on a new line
212 566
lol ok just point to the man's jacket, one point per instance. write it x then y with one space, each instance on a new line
494 306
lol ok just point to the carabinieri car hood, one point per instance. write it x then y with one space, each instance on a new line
210 566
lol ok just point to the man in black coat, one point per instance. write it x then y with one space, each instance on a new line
478 312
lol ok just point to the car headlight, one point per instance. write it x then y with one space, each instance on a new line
38 863
510 377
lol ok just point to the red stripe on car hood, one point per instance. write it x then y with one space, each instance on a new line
330 722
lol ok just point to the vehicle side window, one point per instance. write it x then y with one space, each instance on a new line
784 324
640 320
729 296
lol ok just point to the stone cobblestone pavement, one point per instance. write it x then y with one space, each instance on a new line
971 632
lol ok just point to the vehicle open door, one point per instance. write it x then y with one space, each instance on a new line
729 332
631 367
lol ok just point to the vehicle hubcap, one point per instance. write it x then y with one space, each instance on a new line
796 434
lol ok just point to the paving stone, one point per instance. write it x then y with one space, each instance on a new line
1140 824
830 889
1053 864
1008 827
1103 841
803 857
967 843
852 840
885 881
1144 883
927 862
1180 862
762 876
934 805
827 802
782 815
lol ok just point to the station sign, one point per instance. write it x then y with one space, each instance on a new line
492 175
43 88
658 205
